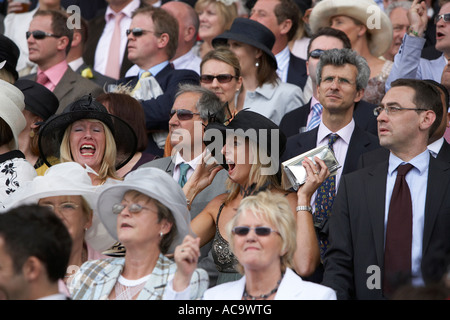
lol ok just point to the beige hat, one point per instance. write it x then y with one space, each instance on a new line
12 105
365 11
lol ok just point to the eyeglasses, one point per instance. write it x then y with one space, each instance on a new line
39 35
316 53
66 207
392 110
260 231
183 114
222 78
132 207
445 16
137 32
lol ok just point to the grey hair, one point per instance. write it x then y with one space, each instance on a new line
207 105
397 4
340 57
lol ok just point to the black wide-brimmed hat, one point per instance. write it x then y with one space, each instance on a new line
9 52
250 32
52 131
251 125
38 99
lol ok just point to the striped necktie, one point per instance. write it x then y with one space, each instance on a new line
315 119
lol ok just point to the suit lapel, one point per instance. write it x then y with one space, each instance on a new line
66 84
357 146
375 191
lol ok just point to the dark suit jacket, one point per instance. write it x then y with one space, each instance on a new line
71 87
379 155
157 110
356 230
297 73
293 121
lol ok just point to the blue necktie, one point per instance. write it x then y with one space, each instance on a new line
315 119
324 202
184 167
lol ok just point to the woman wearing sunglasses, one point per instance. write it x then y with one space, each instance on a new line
262 90
147 213
249 148
263 239
220 72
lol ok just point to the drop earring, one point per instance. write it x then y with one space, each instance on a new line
161 234
257 64
31 133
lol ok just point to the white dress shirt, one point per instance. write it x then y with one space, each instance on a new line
283 58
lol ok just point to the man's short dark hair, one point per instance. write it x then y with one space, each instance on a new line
330 32
35 231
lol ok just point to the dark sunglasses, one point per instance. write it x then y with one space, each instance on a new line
183 114
316 53
39 35
137 32
222 78
445 16
260 231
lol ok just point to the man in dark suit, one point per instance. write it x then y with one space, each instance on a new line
101 29
282 18
201 103
152 42
298 120
358 264
49 51
342 76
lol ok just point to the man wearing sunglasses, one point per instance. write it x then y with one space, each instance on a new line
152 42
303 118
192 110
408 62
49 41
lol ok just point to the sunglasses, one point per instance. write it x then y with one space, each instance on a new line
445 16
132 207
260 231
222 78
39 35
316 53
183 114
137 32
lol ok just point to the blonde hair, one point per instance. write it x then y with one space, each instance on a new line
227 13
254 177
108 165
273 208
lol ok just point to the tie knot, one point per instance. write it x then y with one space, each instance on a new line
332 139
184 167
145 74
403 169
117 17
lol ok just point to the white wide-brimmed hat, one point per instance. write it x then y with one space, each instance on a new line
65 179
13 103
156 184
366 11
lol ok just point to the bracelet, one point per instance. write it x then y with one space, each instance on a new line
412 32
304 208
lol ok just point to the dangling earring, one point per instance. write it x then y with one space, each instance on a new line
257 64
31 133
161 234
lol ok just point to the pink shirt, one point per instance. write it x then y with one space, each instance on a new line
54 74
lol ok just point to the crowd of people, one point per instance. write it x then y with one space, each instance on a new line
143 150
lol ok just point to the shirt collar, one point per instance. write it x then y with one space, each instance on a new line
155 69
56 72
420 162
435 147
193 163
344 133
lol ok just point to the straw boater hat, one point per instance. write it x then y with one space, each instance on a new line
13 103
156 184
361 10
65 179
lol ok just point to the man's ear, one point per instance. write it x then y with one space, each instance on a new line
32 269
427 119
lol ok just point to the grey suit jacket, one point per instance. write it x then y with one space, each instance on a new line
100 79
71 87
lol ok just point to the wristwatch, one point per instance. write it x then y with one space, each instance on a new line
304 208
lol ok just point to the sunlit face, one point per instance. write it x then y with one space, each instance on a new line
257 252
140 228
70 210
348 26
337 89
211 23
239 156
225 91
12 285
400 25
264 12
443 31
88 142
322 43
